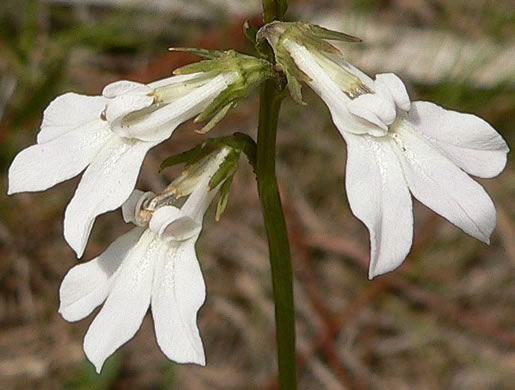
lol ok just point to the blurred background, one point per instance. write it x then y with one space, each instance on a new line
444 320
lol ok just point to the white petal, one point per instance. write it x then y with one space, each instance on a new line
169 222
133 205
178 293
87 285
129 207
67 112
199 200
320 81
467 140
442 186
378 195
176 80
396 88
41 166
123 105
106 184
123 87
330 93
373 108
127 303
363 77
158 124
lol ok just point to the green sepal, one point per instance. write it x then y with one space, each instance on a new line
250 74
204 66
180 158
188 157
231 94
227 169
216 118
245 144
250 32
309 35
293 75
324 33
193 159
216 61
222 61
203 53
224 197
239 142
251 71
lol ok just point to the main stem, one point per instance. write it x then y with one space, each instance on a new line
279 250
275 225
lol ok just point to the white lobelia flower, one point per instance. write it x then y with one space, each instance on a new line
396 147
109 135
154 265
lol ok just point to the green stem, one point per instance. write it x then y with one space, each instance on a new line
279 250
275 225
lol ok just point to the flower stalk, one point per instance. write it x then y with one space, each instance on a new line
275 225
278 246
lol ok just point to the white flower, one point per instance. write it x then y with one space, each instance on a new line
109 135
395 147
154 265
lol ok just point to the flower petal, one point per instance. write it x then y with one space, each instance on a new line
375 109
442 186
320 81
123 87
379 196
396 89
158 124
133 205
127 303
42 166
178 293
67 112
106 184
87 285
335 99
467 140
178 79
169 222
123 105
